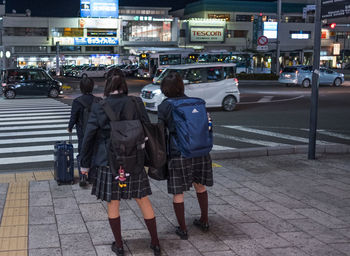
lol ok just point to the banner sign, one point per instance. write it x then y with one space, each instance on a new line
96 41
207 34
335 8
99 8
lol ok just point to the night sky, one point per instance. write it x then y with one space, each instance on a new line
70 8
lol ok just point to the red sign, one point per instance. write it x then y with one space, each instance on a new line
263 40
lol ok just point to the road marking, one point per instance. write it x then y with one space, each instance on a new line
266 99
36 122
216 165
67 112
334 134
37 118
283 100
34 127
13 134
250 141
29 149
217 147
36 139
28 159
274 134
36 111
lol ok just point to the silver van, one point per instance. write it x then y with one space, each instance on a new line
215 83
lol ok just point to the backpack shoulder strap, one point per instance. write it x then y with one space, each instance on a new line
109 111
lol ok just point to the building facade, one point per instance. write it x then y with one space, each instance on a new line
33 41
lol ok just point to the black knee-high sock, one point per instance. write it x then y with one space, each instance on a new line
179 209
116 229
203 204
152 228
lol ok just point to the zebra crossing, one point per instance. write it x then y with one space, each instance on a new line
29 129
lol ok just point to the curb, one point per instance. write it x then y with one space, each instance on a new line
274 151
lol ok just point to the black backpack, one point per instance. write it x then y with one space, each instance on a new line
127 141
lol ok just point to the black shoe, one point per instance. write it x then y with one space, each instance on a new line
82 182
156 249
203 226
181 233
118 251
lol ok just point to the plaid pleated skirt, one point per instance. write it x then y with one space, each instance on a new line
106 188
182 172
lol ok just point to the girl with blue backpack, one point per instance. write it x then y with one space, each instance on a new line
189 143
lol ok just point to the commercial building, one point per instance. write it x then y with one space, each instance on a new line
235 26
32 41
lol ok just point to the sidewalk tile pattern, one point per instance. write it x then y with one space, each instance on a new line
265 206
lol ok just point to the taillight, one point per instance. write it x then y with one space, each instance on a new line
281 71
296 72
236 81
3 84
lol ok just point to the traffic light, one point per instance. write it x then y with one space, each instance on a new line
333 25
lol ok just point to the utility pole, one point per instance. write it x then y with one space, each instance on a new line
315 83
278 46
57 58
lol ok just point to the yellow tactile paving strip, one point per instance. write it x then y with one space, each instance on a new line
14 222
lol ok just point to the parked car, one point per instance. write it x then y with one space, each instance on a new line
302 75
93 72
215 83
29 82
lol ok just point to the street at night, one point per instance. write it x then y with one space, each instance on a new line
175 127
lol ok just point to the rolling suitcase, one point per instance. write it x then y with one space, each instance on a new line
64 162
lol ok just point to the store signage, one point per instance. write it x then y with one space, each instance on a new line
96 41
335 8
86 40
207 23
98 23
270 29
205 34
300 34
336 49
148 18
99 8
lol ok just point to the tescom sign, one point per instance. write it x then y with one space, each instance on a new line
205 34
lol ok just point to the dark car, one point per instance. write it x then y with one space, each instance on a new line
29 82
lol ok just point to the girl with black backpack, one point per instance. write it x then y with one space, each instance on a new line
183 172
109 186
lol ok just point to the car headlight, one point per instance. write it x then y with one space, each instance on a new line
59 84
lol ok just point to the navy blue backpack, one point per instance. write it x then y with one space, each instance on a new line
191 121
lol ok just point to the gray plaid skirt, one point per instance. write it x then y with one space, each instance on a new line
106 188
185 171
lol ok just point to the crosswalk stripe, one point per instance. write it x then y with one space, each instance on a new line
334 134
250 141
20 110
67 112
28 149
31 118
36 111
34 122
274 134
34 127
28 159
35 139
218 147
13 134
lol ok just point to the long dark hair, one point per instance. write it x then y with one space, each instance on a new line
115 82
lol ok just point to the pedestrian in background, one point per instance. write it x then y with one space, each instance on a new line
183 172
79 117
107 187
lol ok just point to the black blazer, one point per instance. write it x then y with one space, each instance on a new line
97 133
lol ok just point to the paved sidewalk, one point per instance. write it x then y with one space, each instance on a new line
267 206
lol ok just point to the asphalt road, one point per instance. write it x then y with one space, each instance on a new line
269 114
267 110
